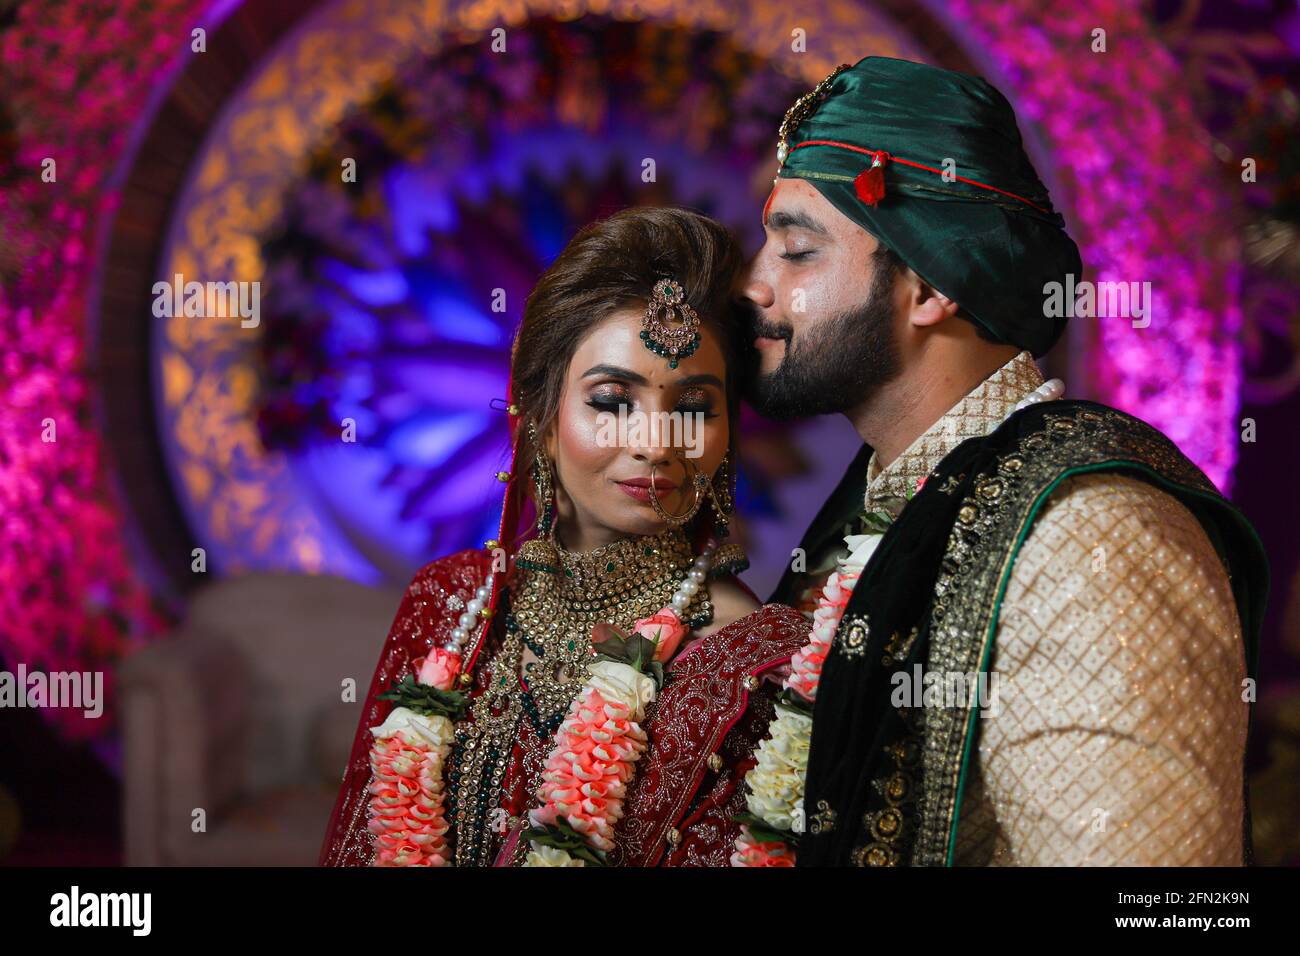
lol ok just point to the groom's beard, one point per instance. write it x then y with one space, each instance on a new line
831 368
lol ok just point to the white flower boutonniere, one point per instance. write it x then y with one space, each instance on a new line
861 548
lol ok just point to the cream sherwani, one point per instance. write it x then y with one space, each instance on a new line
1117 731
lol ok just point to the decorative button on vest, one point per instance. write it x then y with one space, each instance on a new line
751 683
715 762
674 836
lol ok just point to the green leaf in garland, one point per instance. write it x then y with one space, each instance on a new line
876 522
637 652
793 700
764 832
562 836
426 699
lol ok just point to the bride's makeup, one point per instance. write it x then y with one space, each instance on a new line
623 410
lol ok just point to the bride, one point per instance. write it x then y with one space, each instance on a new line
590 688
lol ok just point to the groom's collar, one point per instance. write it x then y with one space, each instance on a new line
976 415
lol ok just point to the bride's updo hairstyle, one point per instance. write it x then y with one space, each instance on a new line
609 266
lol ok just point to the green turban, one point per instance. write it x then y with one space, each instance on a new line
876 138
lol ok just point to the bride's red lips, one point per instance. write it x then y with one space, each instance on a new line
639 488
663 484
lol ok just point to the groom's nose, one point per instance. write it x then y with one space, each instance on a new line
755 289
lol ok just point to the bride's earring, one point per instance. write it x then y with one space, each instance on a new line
540 553
722 493
698 482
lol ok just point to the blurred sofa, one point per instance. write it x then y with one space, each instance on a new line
240 714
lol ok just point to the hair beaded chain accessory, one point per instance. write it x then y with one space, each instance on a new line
408 811
675 340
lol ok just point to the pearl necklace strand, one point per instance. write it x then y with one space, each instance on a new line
1049 391
469 620
695 578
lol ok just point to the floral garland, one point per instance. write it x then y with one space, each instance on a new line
585 777
593 760
410 749
769 831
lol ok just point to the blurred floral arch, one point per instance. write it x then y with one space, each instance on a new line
473 168
82 80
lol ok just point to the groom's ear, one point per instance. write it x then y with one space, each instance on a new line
926 305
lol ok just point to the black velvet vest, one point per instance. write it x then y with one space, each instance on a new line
885 783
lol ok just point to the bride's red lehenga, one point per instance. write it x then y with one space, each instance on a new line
703 729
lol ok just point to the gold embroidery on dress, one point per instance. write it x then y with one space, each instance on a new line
981 411
981 542
978 556
851 637
823 821
891 827
952 483
898 647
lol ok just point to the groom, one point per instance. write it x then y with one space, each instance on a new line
1061 553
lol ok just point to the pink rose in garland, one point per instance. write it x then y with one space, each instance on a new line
585 778
665 629
769 832
406 806
593 759
751 851
440 669
806 665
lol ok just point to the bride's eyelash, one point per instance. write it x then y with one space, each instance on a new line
693 402
702 410
796 256
609 401
613 401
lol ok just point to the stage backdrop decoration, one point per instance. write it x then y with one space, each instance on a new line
391 301
74 76
1115 134
353 430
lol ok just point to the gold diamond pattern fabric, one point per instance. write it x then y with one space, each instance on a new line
1119 728
979 413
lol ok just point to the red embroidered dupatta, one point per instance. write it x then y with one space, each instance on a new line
714 704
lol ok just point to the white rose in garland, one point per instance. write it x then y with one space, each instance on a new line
861 548
624 683
776 782
768 832
550 856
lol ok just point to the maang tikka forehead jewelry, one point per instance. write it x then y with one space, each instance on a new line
673 340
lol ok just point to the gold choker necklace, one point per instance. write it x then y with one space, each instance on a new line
619 583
